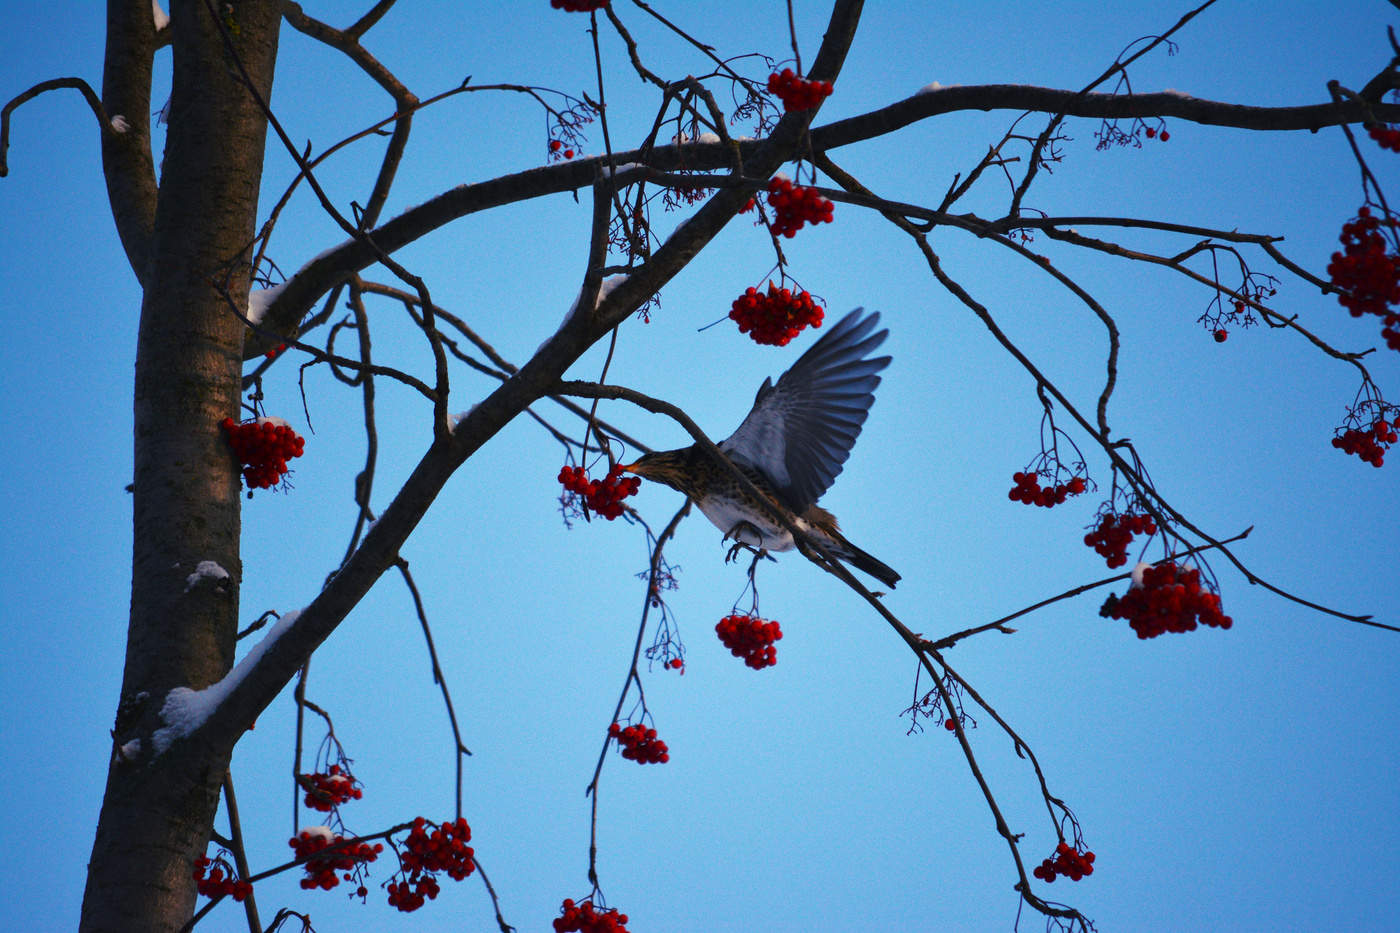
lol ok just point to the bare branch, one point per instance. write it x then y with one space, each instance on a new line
52 84
935 101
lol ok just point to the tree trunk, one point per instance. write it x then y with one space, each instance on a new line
158 809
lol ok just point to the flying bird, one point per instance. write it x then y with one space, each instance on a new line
792 445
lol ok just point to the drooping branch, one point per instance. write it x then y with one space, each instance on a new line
1153 499
1155 503
405 101
52 84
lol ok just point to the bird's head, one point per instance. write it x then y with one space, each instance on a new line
664 466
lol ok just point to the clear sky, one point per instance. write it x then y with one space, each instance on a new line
1233 780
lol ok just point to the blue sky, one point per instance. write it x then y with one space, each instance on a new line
1240 780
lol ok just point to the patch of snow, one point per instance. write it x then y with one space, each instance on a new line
129 750
259 299
456 420
707 138
120 125
1138 571
206 570
161 18
935 86
611 282
321 832
621 169
185 710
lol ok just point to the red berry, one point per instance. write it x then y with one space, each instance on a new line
639 744
603 497
750 638
262 447
796 92
793 206
1368 272
776 317
1169 598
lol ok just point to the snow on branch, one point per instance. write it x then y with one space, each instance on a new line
186 710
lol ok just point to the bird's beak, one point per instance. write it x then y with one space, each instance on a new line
632 468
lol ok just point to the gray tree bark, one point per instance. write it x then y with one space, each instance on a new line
188 243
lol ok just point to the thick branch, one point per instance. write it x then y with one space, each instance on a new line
126 157
280 659
932 102
328 270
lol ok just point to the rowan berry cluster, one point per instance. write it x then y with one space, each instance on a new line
1166 598
794 205
796 92
1068 861
1368 273
408 896
557 150
750 638
442 848
1029 490
602 496
1114 532
1370 444
321 866
776 317
1388 137
578 6
263 446
220 880
325 792
431 849
585 918
1151 132
639 744
1221 335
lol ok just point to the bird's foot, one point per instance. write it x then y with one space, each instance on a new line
740 545
741 527
733 553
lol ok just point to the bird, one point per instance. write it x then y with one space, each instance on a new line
792 445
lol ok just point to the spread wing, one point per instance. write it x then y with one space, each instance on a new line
801 430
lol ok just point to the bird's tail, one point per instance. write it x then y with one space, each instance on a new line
865 562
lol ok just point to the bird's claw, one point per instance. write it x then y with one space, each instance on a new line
733 553
741 545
